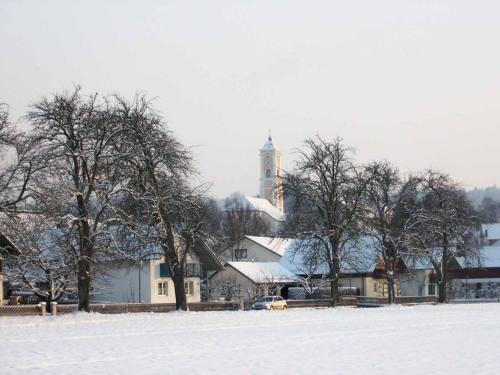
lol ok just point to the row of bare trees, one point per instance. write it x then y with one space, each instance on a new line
95 181
337 204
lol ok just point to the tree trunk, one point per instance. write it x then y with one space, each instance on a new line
180 293
334 284
84 284
390 289
444 277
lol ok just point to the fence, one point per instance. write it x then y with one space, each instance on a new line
345 301
112 308
380 301
23 310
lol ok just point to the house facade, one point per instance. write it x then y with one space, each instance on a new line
479 278
246 281
149 280
7 247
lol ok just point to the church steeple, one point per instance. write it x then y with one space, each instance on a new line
271 186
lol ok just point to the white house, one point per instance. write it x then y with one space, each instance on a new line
480 277
361 266
256 249
244 281
149 281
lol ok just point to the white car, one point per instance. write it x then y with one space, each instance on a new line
270 303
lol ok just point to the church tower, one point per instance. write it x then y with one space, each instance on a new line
271 185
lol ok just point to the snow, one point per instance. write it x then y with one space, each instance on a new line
454 339
264 272
255 204
489 257
493 230
275 244
359 257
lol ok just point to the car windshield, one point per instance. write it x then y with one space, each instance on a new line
265 299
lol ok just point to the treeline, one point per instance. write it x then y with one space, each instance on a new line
99 181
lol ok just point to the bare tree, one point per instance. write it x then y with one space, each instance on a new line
446 227
239 220
47 263
168 207
326 187
18 163
389 217
82 181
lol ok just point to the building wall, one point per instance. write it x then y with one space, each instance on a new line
255 252
481 288
155 279
416 283
271 182
233 285
122 286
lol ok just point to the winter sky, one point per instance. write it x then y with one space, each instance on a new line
415 82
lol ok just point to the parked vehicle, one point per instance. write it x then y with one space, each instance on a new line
270 303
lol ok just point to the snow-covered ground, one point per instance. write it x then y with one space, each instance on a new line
457 339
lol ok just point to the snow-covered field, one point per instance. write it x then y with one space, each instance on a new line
457 339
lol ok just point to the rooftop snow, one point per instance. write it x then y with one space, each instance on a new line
275 244
256 204
489 258
264 272
360 257
493 231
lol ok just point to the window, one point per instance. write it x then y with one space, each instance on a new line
375 287
163 289
164 270
189 288
240 254
479 286
192 270
431 290
268 173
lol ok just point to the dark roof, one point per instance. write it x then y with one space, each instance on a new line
207 257
7 246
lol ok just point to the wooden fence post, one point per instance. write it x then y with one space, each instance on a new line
43 308
53 308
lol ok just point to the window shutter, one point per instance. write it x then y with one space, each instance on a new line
164 271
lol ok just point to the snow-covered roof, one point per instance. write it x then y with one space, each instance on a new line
274 244
256 204
489 257
491 231
264 272
359 257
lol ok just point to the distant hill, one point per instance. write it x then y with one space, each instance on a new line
476 195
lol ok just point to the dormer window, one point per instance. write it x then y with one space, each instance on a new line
240 254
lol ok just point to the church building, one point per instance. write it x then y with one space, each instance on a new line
269 204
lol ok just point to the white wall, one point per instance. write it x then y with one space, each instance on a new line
123 285
170 298
242 287
255 252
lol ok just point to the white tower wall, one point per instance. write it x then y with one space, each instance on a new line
271 185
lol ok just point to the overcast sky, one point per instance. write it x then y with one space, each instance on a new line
415 82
